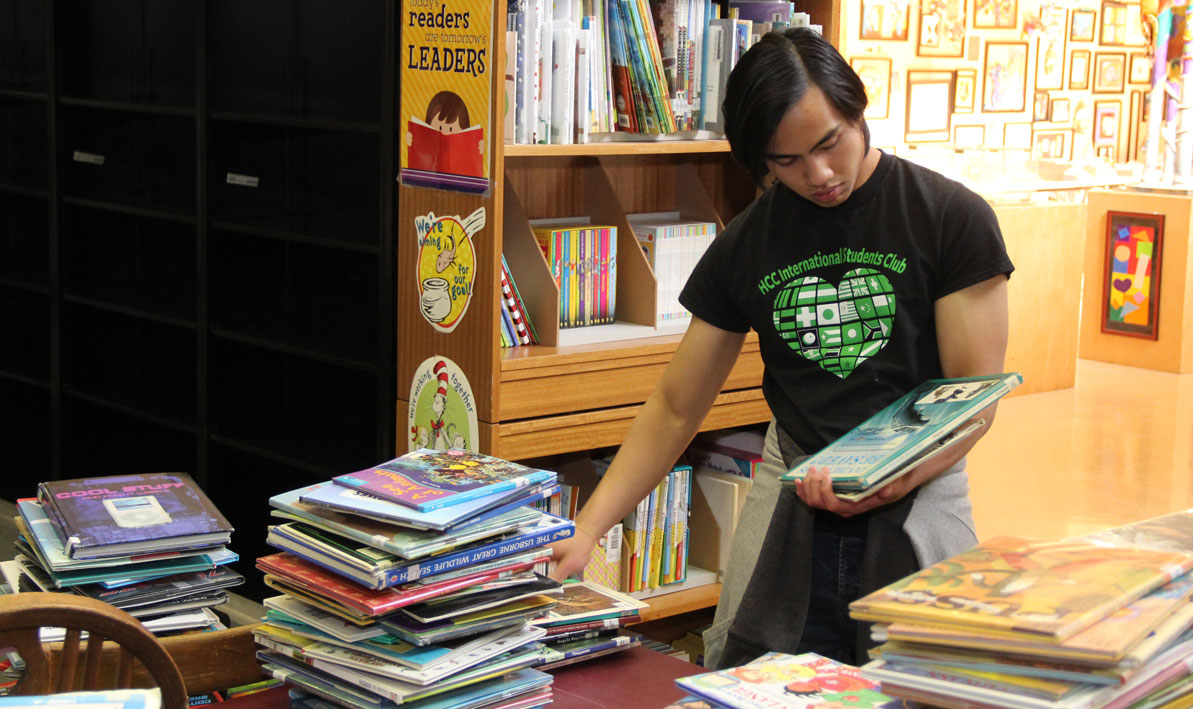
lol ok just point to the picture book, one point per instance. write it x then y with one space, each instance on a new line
896 436
791 681
956 693
514 613
132 514
468 601
428 479
105 699
567 653
1046 588
453 518
459 153
585 600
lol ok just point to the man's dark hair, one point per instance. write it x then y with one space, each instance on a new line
772 77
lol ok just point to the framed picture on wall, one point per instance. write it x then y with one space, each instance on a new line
875 73
1004 89
1051 143
1131 275
1039 111
929 106
884 19
969 136
1107 118
942 28
1114 23
1079 70
1140 71
1082 26
995 14
1016 136
1050 49
1059 111
964 90
1110 72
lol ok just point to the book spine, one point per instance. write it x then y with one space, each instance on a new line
449 561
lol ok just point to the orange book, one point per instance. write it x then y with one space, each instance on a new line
450 153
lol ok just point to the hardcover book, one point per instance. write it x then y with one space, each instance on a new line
1051 589
459 153
892 441
428 479
132 514
791 681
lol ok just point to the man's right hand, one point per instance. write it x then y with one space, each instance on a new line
571 555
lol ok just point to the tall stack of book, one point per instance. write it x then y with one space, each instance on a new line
1100 620
672 246
414 582
152 545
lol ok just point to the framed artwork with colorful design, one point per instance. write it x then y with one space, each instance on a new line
1131 289
995 14
964 90
884 19
1114 23
942 29
1004 89
875 73
1110 72
1082 28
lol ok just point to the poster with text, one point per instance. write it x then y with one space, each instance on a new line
445 102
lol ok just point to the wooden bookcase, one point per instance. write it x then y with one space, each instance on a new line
557 397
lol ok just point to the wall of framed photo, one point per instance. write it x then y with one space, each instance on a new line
1065 80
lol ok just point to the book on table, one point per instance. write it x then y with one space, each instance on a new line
791 681
428 479
903 435
121 515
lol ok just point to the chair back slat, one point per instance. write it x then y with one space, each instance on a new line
95 651
124 670
70 660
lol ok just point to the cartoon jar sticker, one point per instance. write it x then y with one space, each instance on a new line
442 414
446 266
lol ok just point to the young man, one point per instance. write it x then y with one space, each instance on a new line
863 276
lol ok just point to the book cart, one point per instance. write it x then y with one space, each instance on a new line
561 396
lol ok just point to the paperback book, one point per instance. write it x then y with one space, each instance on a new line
790 681
132 514
428 479
894 440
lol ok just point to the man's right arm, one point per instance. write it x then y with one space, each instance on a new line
659 434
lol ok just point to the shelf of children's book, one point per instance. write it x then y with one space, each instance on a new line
620 147
598 428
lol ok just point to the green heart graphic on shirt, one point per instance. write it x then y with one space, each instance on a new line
838 328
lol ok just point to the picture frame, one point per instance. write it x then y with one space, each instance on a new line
1016 136
1059 111
965 90
969 136
1079 69
929 106
1113 30
1083 25
1051 143
875 73
1131 274
995 14
941 29
1107 123
1004 72
1039 110
1110 72
884 19
1050 48
1107 152
1139 69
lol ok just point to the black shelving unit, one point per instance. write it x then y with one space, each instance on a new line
196 258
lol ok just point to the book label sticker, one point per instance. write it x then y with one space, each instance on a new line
442 413
446 266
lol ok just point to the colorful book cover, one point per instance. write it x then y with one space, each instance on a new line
1049 588
891 439
459 153
586 600
658 538
604 567
121 515
428 479
789 681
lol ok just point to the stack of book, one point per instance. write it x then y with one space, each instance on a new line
587 622
152 545
414 582
1101 620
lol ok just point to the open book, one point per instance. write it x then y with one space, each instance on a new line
921 424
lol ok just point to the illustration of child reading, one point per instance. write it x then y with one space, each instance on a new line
446 142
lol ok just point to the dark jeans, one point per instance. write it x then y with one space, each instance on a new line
836 581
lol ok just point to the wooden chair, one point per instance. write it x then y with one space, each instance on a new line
55 667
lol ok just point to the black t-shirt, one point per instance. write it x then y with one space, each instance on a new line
843 297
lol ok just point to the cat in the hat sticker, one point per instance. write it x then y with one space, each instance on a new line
446 266
442 411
